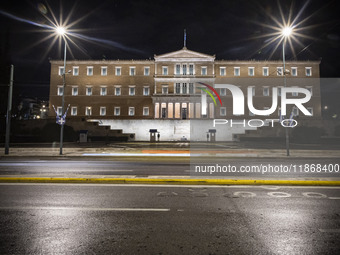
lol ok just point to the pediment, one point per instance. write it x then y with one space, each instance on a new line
184 54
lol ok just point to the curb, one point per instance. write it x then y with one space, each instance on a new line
168 181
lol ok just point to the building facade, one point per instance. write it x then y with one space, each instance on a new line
165 93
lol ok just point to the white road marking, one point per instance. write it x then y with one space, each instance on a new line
139 154
100 170
85 209
270 187
334 197
244 194
313 195
279 194
166 194
335 230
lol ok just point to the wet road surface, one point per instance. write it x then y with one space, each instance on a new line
161 219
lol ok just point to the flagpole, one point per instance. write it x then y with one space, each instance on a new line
185 38
285 85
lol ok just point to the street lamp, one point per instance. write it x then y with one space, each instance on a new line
61 31
286 32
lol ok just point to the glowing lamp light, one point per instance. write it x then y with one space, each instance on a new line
287 31
60 30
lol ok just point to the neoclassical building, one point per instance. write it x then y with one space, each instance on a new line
165 94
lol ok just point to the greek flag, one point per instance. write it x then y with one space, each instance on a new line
291 119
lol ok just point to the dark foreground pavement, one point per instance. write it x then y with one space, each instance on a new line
143 219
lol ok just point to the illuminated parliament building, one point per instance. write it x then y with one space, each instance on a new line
164 95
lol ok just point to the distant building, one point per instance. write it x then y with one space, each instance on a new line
164 93
32 108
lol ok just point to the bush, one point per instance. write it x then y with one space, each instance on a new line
307 134
51 133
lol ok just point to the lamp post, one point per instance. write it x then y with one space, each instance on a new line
286 31
61 31
9 111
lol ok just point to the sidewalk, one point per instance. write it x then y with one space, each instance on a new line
167 152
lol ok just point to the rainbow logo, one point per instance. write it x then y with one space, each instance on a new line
209 93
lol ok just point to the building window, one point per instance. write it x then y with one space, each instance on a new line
163 110
102 111
236 71
178 69
294 71
223 111
165 90
88 111
145 111
295 111
74 91
191 69
89 70
146 71
191 88
118 71
60 91
308 71
266 91
132 91
251 71
103 91
74 111
184 69
204 70
89 91
223 92
184 88
222 71
104 70
146 91
279 71
117 91
132 71
265 71
178 88
75 70
310 109
165 70
59 111
61 70
131 111
310 89
117 111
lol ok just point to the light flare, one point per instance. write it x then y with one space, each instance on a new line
62 29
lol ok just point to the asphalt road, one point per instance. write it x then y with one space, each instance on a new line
160 219
146 166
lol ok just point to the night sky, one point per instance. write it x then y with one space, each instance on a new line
123 29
